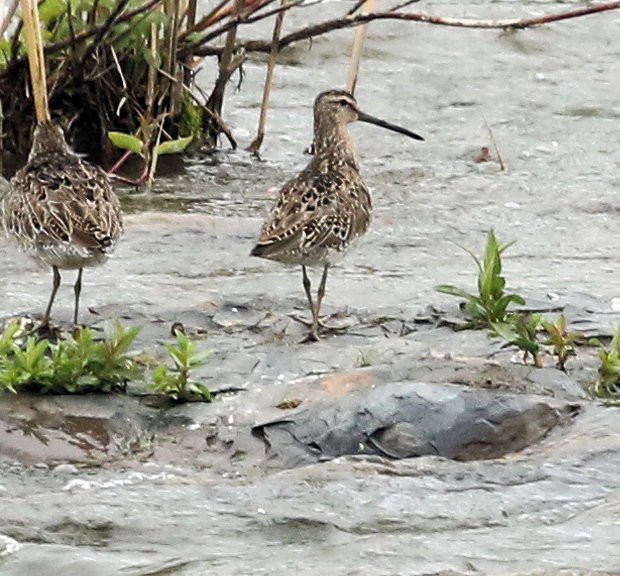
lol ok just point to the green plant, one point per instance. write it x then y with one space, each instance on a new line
561 342
490 308
490 305
20 366
176 382
521 331
607 383
74 364
83 363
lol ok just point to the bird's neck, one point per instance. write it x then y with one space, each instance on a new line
333 142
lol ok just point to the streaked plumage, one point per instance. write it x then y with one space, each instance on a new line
61 210
327 207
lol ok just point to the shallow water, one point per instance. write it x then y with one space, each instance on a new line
550 97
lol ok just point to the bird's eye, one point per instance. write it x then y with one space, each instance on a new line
343 102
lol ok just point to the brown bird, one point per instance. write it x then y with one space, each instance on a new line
327 207
61 210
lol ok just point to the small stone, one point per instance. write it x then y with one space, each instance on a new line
77 484
8 546
66 469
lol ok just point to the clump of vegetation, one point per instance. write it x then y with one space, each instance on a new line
521 330
561 340
490 305
607 384
82 362
176 382
117 67
74 364
490 309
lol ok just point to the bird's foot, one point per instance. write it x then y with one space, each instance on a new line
321 328
312 336
43 330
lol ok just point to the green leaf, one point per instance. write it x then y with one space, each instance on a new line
5 51
173 146
511 334
202 390
454 291
507 299
151 59
50 9
194 37
126 142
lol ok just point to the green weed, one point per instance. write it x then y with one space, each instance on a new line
490 305
561 342
176 382
81 363
74 364
521 330
607 384
490 309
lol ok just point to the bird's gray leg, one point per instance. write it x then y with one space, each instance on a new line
314 331
55 285
77 289
321 291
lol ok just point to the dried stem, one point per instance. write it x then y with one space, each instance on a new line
7 14
216 99
321 28
245 18
358 45
277 29
495 147
34 42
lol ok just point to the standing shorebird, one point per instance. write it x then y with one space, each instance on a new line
327 207
61 210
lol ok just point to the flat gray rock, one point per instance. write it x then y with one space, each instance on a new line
406 419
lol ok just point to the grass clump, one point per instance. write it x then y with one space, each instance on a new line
82 362
521 330
491 303
74 364
562 342
607 383
176 381
490 309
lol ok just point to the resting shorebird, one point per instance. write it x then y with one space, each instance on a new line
61 210
327 207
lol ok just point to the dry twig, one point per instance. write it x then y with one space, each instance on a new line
321 28
277 29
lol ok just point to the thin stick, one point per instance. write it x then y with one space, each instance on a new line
321 28
1 140
217 95
6 15
154 157
206 20
187 59
358 45
151 76
273 54
171 9
34 43
189 47
495 147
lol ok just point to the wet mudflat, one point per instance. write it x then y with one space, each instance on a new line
119 485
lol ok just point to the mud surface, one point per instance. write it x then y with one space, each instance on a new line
126 485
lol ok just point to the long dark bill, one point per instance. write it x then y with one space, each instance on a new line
363 117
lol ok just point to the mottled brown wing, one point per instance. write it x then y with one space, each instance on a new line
96 213
63 200
327 210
